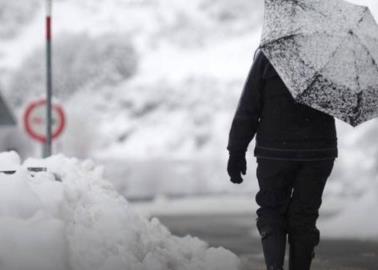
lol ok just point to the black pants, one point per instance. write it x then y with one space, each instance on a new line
290 196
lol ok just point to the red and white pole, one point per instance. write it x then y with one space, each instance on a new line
48 19
47 151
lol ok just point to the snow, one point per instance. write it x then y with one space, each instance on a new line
217 204
226 204
164 131
348 218
351 218
357 221
83 223
204 62
9 161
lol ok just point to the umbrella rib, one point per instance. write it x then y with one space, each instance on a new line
357 71
279 40
333 54
363 16
292 36
317 74
303 6
374 62
357 110
363 45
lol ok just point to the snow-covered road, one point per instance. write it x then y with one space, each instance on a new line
236 233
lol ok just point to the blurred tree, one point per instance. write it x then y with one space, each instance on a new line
15 14
234 17
79 62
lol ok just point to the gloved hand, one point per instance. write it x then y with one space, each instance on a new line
237 166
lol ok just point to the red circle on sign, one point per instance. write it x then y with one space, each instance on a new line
28 121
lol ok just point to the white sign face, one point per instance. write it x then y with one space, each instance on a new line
35 120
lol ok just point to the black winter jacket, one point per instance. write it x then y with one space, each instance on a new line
284 128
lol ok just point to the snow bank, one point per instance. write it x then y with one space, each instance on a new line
82 223
9 161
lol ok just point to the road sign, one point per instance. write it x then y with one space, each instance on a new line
6 116
35 120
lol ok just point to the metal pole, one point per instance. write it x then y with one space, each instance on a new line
47 151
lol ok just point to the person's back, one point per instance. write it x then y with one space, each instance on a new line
295 150
280 123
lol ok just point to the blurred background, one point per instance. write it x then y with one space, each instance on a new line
150 88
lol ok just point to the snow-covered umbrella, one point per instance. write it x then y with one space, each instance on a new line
326 53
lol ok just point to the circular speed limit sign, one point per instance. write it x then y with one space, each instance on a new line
35 120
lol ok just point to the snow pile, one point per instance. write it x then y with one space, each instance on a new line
9 161
82 223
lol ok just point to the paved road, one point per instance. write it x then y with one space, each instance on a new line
237 234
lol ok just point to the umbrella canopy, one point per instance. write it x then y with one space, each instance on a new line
326 53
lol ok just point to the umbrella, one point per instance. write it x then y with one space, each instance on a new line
326 53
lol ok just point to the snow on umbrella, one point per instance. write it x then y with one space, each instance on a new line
326 53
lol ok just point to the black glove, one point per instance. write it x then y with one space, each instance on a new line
236 167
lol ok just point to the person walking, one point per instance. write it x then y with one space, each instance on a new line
296 147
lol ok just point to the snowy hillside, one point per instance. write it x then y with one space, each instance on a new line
82 223
193 53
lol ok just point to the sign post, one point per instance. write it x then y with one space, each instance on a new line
47 149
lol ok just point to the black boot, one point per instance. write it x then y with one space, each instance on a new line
274 245
302 244
300 256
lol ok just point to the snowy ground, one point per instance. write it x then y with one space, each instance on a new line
339 218
234 232
83 223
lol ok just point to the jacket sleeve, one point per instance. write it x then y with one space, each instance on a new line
246 119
